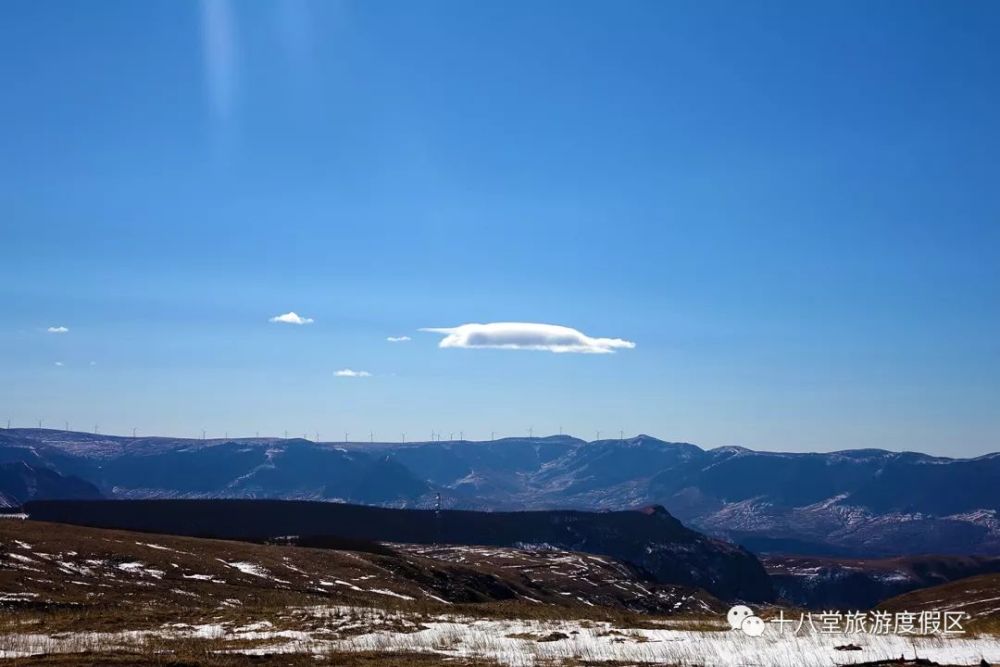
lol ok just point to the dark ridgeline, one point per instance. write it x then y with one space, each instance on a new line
850 583
650 539
21 482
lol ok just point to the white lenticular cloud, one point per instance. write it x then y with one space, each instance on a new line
59 363
57 330
348 373
527 336
398 339
291 318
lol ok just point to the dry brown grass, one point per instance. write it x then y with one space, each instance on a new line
69 581
975 596
205 656
104 596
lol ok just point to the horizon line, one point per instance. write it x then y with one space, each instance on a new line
553 436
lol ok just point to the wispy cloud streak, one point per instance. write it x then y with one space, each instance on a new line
220 51
348 373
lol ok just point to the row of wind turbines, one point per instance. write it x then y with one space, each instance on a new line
436 436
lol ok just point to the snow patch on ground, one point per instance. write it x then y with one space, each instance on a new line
382 591
137 567
324 630
252 569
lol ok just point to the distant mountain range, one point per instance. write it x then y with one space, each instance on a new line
850 503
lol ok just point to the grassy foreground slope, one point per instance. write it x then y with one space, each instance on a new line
77 595
46 566
649 538
73 595
978 597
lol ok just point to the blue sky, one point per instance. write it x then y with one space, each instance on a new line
791 209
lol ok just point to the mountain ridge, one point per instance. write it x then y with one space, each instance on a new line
868 502
651 539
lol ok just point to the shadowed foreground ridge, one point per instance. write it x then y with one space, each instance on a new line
650 539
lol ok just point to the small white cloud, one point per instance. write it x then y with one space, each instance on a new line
348 373
291 317
398 339
59 363
527 336
57 330
93 363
